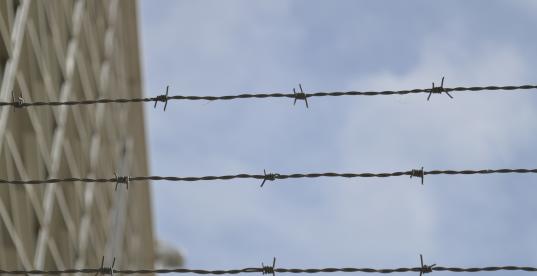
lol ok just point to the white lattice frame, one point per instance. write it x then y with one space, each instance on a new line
52 156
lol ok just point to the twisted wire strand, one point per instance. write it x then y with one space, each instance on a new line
165 98
264 176
277 270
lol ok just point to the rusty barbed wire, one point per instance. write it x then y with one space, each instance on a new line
267 269
269 176
19 102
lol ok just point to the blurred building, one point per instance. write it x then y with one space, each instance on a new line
61 51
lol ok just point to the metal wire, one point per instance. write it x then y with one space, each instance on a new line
271 269
270 176
164 98
422 269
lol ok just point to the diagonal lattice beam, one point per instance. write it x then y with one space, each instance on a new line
59 134
12 63
104 83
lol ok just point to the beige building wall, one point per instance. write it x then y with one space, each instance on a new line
61 51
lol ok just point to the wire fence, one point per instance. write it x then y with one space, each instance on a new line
272 269
20 102
420 173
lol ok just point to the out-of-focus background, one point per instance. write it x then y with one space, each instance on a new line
77 49
62 51
231 47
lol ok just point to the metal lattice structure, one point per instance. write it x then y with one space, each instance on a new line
62 50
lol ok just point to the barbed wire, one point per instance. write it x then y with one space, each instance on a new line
420 173
19 101
267 269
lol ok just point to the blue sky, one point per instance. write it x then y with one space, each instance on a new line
232 47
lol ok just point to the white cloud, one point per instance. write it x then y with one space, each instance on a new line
470 131
335 221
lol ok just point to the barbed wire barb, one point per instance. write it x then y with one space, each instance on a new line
162 98
269 176
439 90
106 270
300 95
17 102
122 180
269 269
418 173
425 268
